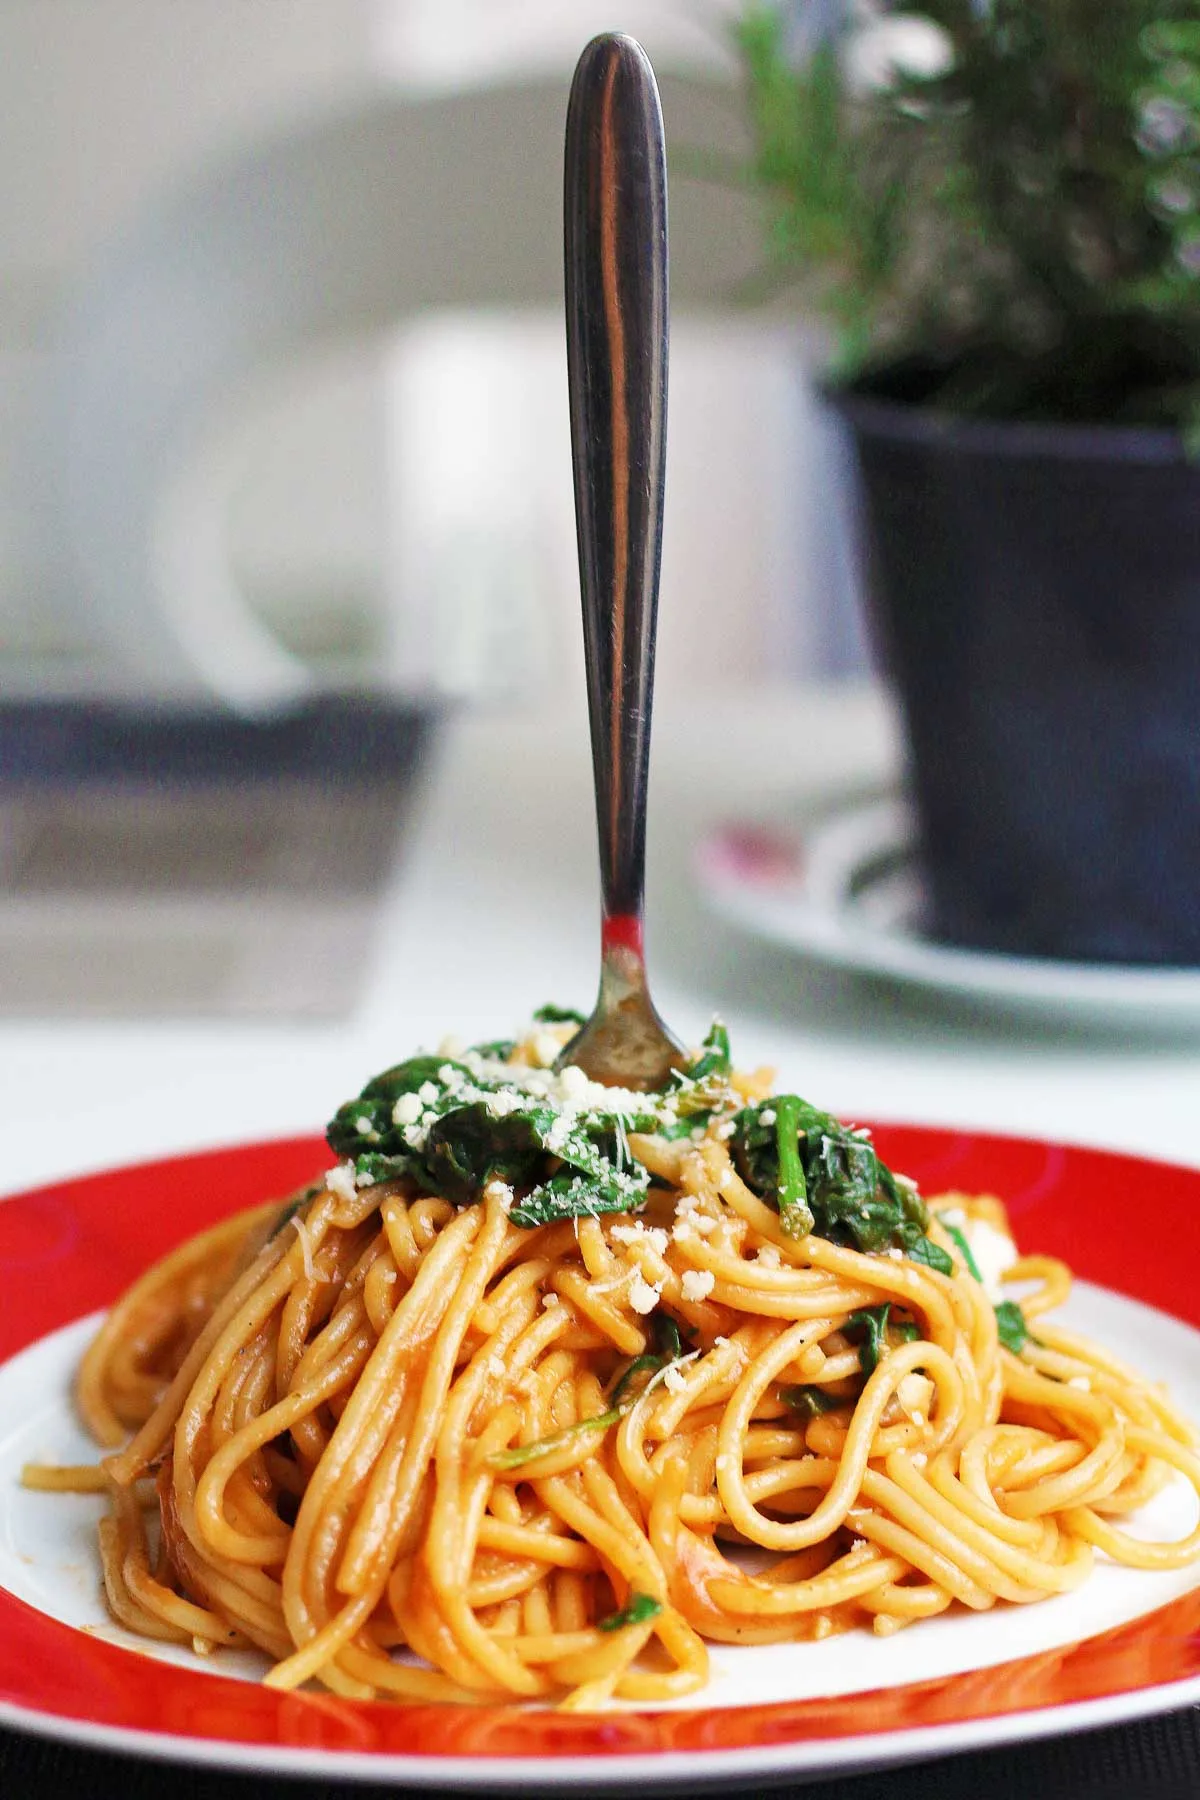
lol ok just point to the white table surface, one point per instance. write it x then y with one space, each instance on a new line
493 908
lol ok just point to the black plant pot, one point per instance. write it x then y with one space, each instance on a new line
1036 593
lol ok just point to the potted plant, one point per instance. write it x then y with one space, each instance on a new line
996 206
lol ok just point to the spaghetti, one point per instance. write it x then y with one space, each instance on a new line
423 1446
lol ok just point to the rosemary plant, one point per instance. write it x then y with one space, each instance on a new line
995 203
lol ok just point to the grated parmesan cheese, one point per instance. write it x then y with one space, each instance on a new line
697 1283
545 1047
407 1109
340 1180
653 1236
305 1246
607 1287
914 1392
644 1295
501 1193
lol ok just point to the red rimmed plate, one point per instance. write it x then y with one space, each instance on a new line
1131 1648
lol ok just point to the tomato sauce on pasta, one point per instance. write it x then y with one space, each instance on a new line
418 1445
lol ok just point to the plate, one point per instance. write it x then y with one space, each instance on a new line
1132 1650
844 888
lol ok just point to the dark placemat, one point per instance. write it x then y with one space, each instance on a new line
173 863
1157 1758
333 738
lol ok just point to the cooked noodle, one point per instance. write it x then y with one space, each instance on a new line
402 1425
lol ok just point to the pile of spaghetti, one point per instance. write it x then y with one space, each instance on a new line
544 1387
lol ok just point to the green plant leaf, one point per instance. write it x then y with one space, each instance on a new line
1023 224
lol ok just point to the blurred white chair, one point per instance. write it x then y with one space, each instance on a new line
346 225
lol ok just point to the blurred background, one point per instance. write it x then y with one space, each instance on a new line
393 506
283 425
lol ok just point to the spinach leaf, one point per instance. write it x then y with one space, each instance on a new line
408 1078
684 1125
869 1329
454 1125
640 1608
367 1123
715 1057
695 1093
1012 1330
520 1454
358 1125
923 1250
809 1164
667 1339
558 1015
755 1147
647 1364
792 1193
468 1146
810 1401
668 1348
370 1167
288 1212
960 1238
578 1191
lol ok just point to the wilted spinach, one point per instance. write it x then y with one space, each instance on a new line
869 1329
1011 1328
668 1348
809 1401
640 1608
827 1178
454 1125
